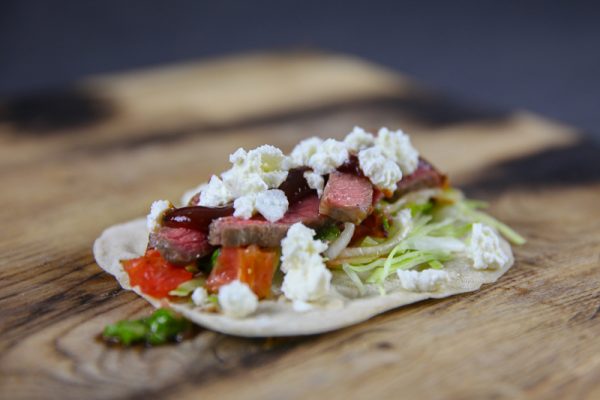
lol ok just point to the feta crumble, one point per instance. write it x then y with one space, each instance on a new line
306 276
240 182
269 163
215 194
396 145
422 281
329 155
304 151
307 284
251 173
272 204
358 140
484 248
315 181
244 206
237 300
199 296
383 172
157 211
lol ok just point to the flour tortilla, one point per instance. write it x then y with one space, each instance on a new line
278 317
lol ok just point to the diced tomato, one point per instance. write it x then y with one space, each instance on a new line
154 275
251 265
373 226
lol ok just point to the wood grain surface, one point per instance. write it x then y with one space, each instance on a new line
75 161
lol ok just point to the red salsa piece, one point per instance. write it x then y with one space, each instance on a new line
374 225
252 265
154 275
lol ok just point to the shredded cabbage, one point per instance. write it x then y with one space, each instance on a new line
401 230
186 288
440 225
342 241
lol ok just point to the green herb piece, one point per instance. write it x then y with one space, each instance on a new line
207 263
213 298
186 288
161 327
126 332
385 221
213 258
193 268
328 233
164 326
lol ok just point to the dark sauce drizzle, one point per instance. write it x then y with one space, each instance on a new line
200 217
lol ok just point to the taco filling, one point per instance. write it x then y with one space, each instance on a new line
283 227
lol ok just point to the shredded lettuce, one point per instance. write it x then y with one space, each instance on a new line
408 260
439 231
353 275
186 288
370 241
399 232
420 208
505 230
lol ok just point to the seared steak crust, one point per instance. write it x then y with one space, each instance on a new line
234 232
180 246
425 176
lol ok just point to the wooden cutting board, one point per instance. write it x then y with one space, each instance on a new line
74 162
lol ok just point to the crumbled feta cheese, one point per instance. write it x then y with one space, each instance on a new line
322 156
251 173
199 296
298 246
329 155
484 248
237 300
307 284
424 281
255 171
397 146
358 139
306 276
304 151
270 163
271 204
215 194
302 306
315 181
187 196
240 183
383 172
157 211
244 206
238 157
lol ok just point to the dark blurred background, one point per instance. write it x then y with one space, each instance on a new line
538 55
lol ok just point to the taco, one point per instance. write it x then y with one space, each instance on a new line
327 236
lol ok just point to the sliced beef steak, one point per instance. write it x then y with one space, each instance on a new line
234 232
180 246
425 176
347 197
